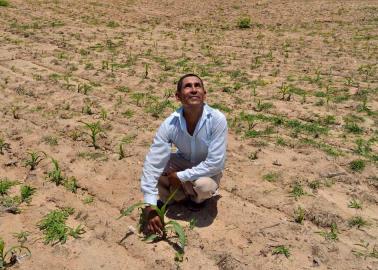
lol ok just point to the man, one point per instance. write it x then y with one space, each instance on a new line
200 134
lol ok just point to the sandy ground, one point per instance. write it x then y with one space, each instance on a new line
64 62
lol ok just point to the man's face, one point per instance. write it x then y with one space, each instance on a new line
192 92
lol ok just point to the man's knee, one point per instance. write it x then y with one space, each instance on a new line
205 185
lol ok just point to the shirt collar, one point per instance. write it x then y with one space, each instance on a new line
205 114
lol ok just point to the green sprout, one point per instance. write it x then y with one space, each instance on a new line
281 250
3 146
95 129
55 229
299 215
357 221
332 235
34 158
55 175
26 193
357 165
356 204
297 191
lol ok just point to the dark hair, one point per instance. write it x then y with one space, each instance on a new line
179 83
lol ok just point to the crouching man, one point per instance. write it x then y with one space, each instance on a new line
199 133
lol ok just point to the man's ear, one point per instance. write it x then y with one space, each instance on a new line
177 95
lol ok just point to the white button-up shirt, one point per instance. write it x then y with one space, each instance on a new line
206 149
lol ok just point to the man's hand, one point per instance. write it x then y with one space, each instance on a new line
154 223
174 181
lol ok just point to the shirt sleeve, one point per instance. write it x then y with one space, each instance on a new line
155 163
214 162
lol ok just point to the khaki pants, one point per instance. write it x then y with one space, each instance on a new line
198 190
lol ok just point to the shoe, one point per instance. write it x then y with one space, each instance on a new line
193 206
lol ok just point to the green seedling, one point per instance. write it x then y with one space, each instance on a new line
4 3
26 193
121 152
71 184
271 176
244 23
55 175
5 185
95 129
366 252
10 204
172 225
315 184
284 90
146 67
9 257
55 229
297 191
354 203
332 235
34 158
192 223
281 250
261 106
3 146
50 140
88 200
75 233
299 215
22 237
103 114
357 165
357 221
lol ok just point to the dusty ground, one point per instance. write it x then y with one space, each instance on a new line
62 62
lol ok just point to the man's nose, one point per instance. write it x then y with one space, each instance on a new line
193 89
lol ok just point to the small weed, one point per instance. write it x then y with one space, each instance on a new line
354 203
88 200
271 176
357 221
244 23
281 250
299 215
103 114
366 252
75 233
4 3
297 191
21 237
55 229
34 159
26 193
332 235
192 223
11 204
315 184
71 184
352 127
357 165
281 141
3 146
5 185
50 140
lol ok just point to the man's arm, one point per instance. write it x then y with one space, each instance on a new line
154 164
214 162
